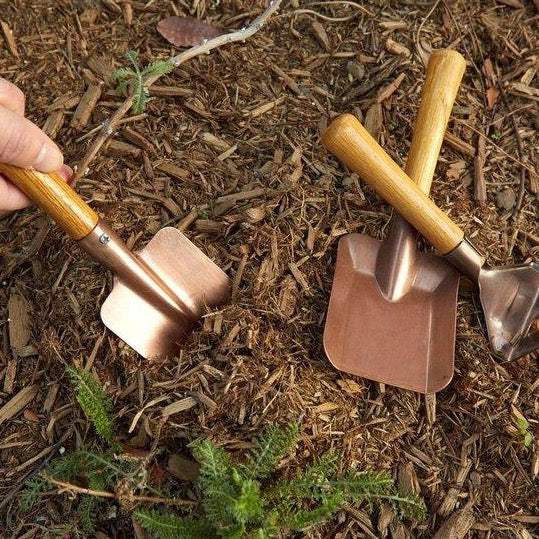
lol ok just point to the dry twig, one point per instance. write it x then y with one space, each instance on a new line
205 47
75 489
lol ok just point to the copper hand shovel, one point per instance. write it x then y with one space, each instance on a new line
509 295
392 311
159 292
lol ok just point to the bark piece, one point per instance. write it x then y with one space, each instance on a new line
394 47
173 170
10 39
86 106
20 329
54 122
457 525
17 403
373 120
480 188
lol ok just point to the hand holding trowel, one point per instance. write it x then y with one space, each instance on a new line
392 311
509 295
159 293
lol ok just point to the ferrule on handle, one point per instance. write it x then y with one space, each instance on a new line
351 143
54 196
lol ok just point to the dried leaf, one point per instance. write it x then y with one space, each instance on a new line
321 35
349 386
455 170
492 96
182 468
488 69
187 31
506 199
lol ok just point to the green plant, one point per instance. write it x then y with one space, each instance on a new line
92 470
523 430
133 79
93 400
246 500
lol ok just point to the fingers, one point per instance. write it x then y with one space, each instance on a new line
11 97
13 199
23 144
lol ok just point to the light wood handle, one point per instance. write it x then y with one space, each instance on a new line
56 197
444 73
348 140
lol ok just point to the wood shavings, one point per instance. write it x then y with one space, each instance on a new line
10 39
17 403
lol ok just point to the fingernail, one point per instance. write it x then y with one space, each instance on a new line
49 159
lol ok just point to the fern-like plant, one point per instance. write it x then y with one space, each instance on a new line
85 468
246 501
132 80
94 401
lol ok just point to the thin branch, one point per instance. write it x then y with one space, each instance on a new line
69 487
330 3
427 17
205 47
520 152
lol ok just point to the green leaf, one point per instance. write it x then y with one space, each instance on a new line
132 56
93 400
248 505
522 424
31 491
272 446
159 67
122 73
302 519
141 95
88 513
168 526
528 439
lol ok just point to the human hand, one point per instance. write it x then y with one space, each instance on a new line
23 144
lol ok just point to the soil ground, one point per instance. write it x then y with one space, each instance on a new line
260 360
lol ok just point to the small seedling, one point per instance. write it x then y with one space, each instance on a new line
132 80
247 500
523 430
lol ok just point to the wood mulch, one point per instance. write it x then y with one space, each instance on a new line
229 151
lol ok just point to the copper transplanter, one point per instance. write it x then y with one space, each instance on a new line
381 286
509 295
159 293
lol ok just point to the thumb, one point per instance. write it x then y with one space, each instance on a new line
23 144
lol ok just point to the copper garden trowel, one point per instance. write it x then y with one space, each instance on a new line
509 295
159 292
392 311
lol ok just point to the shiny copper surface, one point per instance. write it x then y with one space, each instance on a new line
160 292
510 300
392 312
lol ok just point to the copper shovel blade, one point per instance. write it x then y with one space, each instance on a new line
391 317
148 325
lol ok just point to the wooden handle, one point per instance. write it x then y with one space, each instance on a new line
444 73
348 140
56 197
